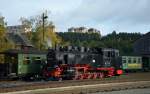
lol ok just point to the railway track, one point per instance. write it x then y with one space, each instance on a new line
81 88
21 85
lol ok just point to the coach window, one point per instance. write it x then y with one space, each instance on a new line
139 60
129 60
37 60
134 60
2 58
26 60
124 61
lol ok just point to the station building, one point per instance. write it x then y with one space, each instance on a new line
142 45
142 48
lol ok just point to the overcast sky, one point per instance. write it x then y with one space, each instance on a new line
105 15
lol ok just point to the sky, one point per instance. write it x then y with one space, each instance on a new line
104 15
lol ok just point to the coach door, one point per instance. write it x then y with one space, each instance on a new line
12 61
146 63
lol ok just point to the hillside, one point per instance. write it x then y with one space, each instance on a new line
122 41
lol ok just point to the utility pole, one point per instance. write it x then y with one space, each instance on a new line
43 26
43 20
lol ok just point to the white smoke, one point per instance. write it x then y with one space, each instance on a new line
49 43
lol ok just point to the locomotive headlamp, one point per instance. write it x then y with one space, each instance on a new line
93 60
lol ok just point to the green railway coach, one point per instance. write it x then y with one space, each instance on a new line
23 63
131 63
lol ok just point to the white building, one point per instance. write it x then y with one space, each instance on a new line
18 29
93 30
83 30
78 29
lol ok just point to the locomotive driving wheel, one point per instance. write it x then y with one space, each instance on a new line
95 75
101 75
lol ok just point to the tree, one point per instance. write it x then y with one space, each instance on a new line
28 25
1 20
122 41
50 38
4 42
80 39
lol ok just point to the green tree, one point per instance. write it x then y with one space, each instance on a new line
4 42
122 41
80 39
50 38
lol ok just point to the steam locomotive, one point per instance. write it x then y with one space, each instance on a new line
83 63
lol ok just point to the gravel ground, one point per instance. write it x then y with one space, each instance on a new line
130 91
